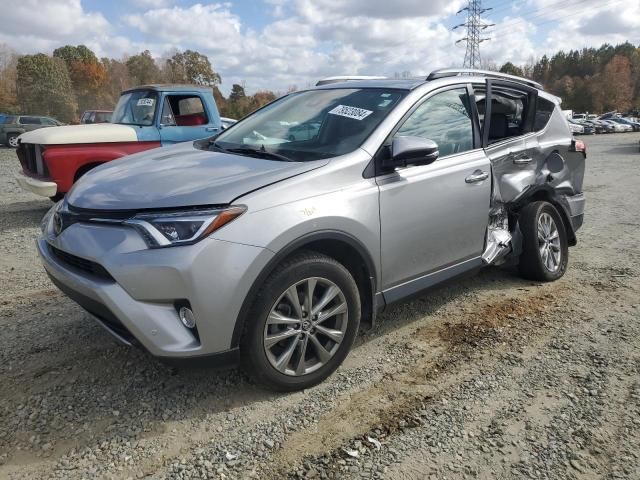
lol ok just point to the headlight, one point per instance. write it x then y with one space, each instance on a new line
167 229
44 223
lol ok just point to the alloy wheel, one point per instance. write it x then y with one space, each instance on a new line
549 242
13 142
305 326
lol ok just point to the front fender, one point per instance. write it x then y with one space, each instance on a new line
64 161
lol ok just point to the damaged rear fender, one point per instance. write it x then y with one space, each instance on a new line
558 199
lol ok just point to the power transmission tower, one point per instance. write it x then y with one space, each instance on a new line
475 30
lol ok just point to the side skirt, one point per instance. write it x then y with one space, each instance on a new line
416 285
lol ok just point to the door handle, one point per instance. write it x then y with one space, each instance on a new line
477 176
522 160
211 129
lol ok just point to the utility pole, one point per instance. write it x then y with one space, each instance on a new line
475 30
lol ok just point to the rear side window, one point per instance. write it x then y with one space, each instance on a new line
7 120
444 118
544 109
508 112
29 121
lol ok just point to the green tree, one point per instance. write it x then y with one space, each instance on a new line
44 87
143 69
192 67
237 93
87 74
511 69
79 53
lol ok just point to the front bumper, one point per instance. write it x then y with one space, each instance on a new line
136 300
34 185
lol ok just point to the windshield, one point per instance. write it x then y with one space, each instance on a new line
136 108
312 125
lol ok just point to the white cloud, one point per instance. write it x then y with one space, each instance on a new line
33 25
153 3
304 40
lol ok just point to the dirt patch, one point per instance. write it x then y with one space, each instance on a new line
447 348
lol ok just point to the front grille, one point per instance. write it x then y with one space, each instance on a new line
31 159
80 263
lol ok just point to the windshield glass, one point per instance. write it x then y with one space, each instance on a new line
312 125
136 108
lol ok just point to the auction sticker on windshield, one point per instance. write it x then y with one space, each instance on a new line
145 102
351 112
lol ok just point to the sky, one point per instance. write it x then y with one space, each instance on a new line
278 44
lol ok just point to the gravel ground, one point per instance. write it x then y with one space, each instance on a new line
489 377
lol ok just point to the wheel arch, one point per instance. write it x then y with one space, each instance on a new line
341 246
548 194
85 168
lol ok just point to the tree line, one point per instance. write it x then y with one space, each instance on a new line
589 80
73 79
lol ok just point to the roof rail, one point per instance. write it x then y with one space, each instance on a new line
452 72
347 78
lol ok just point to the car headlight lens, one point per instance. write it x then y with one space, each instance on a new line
167 229
46 220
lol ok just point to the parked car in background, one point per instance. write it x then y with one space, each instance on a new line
616 127
145 117
96 116
13 126
608 127
635 126
575 127
269 251
588 128
227 122
597 126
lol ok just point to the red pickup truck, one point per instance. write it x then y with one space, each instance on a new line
145 117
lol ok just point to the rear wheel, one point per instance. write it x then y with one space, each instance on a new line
302 324
12 140
545 249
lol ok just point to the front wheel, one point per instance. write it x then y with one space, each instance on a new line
545 249
12 140
302 324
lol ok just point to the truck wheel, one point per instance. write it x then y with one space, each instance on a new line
302 324
545 249
12 140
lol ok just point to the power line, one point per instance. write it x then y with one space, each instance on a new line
476 27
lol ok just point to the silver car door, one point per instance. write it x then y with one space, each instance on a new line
434 217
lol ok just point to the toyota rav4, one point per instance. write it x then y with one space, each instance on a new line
272 248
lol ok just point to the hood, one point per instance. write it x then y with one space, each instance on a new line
178 176
91 133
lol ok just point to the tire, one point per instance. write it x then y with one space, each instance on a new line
12 140
535 264
276 363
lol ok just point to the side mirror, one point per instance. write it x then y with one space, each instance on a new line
410 150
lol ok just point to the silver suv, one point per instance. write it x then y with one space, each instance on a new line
273 251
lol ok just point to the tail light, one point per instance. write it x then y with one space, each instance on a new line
579 146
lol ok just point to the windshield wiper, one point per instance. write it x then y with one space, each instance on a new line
259 152
214 144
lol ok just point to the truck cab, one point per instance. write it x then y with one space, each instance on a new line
169 113
145 117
